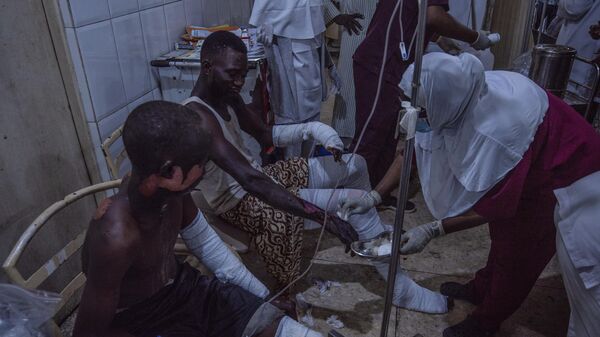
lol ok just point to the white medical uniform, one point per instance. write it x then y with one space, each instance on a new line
577 217
296 83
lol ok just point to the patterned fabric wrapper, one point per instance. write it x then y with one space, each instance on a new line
276 234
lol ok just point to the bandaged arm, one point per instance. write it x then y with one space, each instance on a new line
208 247
285 135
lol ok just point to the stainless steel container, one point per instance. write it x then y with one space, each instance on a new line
551 66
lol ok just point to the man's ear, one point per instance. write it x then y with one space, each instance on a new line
206 67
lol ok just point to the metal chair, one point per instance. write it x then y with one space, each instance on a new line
52 264
58 259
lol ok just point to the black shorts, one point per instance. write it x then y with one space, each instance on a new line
193 305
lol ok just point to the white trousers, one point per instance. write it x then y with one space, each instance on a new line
585 308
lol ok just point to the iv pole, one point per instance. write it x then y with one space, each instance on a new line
404 180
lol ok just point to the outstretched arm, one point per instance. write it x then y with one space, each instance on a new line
415 240
444 24
228 158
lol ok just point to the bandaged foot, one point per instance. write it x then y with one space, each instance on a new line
410 295
290 328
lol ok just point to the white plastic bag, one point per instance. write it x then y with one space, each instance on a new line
23 313
522 63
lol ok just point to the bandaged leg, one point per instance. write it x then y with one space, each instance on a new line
290 328
410 295
407 294
208 247
351 172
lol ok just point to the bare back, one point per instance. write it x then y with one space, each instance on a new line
147 246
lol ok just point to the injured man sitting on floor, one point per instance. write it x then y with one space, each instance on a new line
135 286
277 202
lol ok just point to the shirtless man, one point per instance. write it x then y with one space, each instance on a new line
276 202
135 286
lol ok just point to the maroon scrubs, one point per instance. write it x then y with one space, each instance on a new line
378 145
520 211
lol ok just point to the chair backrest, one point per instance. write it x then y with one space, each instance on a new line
114 162
52 264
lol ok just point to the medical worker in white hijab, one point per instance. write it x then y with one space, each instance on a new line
493 147
292 32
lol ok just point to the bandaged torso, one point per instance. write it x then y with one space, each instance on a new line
222 191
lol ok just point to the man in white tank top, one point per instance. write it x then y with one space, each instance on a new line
276 202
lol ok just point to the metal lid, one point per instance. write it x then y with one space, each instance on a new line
554 49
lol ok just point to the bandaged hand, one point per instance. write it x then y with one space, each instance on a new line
349 207
415 240
285 135
264 35
485 40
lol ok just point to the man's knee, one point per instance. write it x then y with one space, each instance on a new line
357 163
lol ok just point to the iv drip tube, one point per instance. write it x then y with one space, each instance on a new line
404 180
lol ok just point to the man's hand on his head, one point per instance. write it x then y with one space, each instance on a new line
350 22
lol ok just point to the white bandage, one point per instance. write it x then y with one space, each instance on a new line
285 135
206 245
290 328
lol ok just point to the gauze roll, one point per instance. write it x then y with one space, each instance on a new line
285 135
208 247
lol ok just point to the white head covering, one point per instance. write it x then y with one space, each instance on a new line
482 123
294 19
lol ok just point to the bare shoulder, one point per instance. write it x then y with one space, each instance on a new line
209 121
113 233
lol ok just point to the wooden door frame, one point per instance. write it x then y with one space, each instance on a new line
69 79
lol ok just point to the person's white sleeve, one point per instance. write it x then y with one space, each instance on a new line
208 247
573 10
415 239
330 11
286 135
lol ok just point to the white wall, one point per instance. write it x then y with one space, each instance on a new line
112 43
